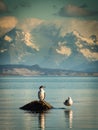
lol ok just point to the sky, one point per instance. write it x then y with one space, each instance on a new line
49 9
73 15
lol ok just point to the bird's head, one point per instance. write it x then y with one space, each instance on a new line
69 97
41 87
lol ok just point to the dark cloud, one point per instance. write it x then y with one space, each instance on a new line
83 6
76 11
3 6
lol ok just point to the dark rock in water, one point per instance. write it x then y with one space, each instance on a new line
37 106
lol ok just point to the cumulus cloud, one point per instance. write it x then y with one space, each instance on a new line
3 7
29 24
85 27
8 38
84 39
6 24
29 41
63 50
93 56
75 11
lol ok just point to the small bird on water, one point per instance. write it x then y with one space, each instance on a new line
68 102
41 93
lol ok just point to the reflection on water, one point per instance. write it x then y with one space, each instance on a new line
15 92
69 117
42 120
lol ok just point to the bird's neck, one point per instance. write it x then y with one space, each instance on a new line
41 89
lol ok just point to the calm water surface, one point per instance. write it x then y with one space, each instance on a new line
18 91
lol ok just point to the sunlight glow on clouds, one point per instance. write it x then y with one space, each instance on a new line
87 40
29 24
7 38
63 50
29 42
93 56
69 27
6 24
86 28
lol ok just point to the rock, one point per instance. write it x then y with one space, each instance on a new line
37 106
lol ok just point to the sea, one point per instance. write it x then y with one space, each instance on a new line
16 91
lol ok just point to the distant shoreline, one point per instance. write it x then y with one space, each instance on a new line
35 70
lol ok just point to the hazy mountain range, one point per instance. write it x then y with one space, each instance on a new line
48 46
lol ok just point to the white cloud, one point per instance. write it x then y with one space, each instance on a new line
8 38
93 56
29 41
84 39
85 27
63 50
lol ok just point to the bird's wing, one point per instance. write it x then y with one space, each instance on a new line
39 94
44 95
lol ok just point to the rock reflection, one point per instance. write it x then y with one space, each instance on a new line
42 120
69 117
